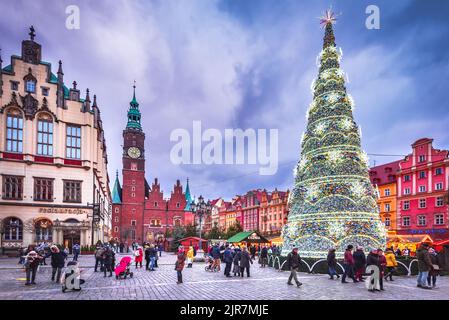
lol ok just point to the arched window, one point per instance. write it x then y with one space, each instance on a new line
14 131
13 228
44 230
45 135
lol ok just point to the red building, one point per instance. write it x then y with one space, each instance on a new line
423 180
250 210
140 212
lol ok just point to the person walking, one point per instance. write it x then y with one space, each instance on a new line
348 265
245 261
179 265
263 257
434 272
424 265
32 261
382 267
391 264
236 261
138 256
108 260
332 264
216 257
373 260
359 263
293 264
57 263
252 250
228 259
190 255
99 258
147 257
76 249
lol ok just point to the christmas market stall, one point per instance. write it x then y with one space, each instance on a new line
248 238
192 242
410 242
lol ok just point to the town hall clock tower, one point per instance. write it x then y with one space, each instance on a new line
133 158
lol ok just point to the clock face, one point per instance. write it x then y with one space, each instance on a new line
134 152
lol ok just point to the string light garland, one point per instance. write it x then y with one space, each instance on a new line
333 203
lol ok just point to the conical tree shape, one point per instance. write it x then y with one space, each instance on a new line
333 203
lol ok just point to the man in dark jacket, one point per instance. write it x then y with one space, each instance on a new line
108 260
57 262
348 265
216 256
424 265
227 257
332 264
293 264
263 257
98 258
359 263
252 250
245 261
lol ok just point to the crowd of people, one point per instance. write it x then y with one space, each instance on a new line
238 260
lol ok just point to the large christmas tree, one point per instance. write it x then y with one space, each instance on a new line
333 203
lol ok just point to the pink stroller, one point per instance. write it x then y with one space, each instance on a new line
122 269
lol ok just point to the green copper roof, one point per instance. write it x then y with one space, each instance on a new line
134 115
188 197
117 191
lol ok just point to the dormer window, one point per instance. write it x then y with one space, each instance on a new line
30 86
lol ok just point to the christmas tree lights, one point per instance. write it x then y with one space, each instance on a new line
333 203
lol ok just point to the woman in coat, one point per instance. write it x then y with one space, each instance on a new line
245 261
432 277
57 262
236 262
108 260
390 257
359 263
180 262
190 255
138 254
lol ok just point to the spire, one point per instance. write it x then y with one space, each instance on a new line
117 191
134 115
86 105
188 197
95 101
60 88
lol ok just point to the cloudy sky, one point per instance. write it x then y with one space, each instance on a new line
244 64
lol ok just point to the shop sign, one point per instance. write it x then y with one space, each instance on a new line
254 236
62 210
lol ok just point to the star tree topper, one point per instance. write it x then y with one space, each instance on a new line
328 17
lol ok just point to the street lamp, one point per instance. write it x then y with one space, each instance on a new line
199 209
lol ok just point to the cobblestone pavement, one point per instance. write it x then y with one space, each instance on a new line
264 284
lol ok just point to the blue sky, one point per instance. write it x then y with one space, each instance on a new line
244 64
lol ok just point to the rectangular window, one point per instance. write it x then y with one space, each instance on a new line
45 92
422 158
422 221
439 186
422 174
387 221
12 188
14 133
407 191
406 205
406 221
387 207
14 85
438 171
422 188
422 203
72 191
43 189
439 219
387 192
133 223
73 142
439 201
30 86
406 178
45 138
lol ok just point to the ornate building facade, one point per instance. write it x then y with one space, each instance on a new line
53 160
140 212
273 212
423 186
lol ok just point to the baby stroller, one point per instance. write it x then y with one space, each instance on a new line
122 269
209 267
66 274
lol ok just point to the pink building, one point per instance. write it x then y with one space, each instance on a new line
423 180
250 210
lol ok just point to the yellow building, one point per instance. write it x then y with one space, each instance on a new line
53 162
383 178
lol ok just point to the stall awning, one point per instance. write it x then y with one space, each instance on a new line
410 238
249 236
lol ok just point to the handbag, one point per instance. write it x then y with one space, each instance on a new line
436 267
